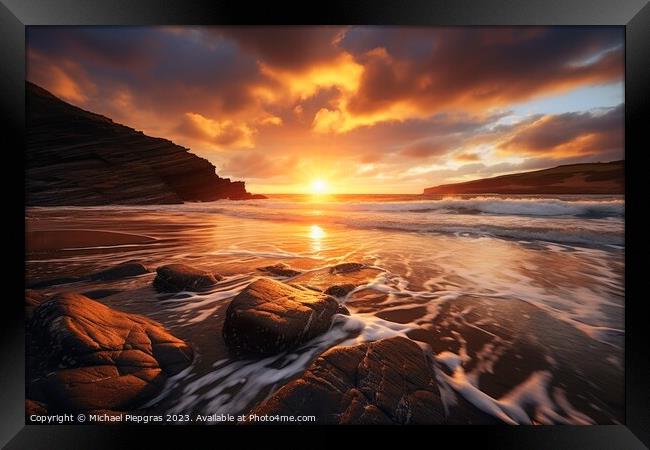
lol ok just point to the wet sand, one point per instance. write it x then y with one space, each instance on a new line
48 240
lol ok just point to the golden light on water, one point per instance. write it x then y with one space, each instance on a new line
316 234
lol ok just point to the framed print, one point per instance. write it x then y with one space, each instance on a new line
282 220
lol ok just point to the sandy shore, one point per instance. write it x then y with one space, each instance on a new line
48 240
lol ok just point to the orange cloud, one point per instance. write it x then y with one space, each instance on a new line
467 157
66 79
219 133
375 105
566 135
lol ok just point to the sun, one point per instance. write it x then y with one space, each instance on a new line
319 187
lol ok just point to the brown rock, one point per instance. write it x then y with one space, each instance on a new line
124 270
86 356
34 407
181 277
342 310
390 381
383 382
280 269
270 316
32 300
346 267
340 290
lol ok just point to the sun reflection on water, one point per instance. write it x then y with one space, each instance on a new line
316 234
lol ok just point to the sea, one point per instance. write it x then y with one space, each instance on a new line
562 254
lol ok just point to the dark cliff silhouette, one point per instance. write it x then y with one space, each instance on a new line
588 178
76 157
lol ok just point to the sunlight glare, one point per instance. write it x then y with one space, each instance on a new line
318 187
316 232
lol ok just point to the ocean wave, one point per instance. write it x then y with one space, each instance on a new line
546 207
564 236
527 206
577 220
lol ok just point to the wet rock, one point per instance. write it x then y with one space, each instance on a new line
32 300
86 356
382 382
346 267
280 269
270 316
53 282
343 275
342 310
340 290
96 294
181 277
33 407
124 270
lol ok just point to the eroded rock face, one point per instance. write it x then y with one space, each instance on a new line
382 382
75 157
385 382
270 316
181 277
86 356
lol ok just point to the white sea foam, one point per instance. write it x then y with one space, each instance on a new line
532 394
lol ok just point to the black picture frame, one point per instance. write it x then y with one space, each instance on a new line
634 15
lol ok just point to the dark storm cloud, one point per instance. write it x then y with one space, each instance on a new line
478 67
288 48
569 133
162 70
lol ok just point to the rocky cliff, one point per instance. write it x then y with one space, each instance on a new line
588 178
75 157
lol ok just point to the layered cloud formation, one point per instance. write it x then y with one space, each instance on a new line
371 109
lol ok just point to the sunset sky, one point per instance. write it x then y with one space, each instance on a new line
363 109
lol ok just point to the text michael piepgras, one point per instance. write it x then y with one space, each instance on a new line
117 417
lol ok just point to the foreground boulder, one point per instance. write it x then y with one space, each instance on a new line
181 277
383 382
124 270
270 316
86 356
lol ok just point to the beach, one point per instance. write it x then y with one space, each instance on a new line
517 302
